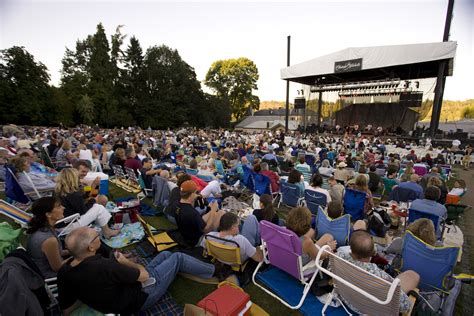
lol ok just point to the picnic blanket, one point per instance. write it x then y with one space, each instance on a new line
129 234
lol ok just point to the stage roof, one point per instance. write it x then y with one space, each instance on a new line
413 61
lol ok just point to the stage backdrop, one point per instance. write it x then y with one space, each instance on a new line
377 114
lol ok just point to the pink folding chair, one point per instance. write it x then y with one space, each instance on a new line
282 249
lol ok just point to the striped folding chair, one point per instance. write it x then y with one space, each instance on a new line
367 293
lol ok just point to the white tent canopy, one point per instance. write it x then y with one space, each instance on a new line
367 58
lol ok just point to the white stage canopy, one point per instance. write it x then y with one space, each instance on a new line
411 61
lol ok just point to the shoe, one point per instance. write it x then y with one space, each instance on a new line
222 271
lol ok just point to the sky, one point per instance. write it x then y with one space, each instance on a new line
204 32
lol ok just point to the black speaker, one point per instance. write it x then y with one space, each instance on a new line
411 99
300 103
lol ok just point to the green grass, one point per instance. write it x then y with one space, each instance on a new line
187 291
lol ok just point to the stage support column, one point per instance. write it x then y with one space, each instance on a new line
441 79
287 105
320 106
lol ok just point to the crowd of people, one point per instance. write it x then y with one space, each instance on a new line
196 169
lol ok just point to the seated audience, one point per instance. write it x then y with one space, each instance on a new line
362 185
374 179
459 188
272 175
132 161
295 177
72 198
229 229
422 228
336 190
299 221
148 172
266 210
118 285
325 169
315 185
190 223
413 185
30 181
341 174
83 168
42 244
429 205
362 250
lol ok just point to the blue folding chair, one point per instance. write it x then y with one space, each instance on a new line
314 200
289 195
13 191
354 203
339 228
433 264
248 180
204 178
219 167
262 184
192 172
413 215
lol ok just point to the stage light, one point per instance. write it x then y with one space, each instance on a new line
417 84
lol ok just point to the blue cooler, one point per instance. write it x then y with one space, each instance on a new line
104 187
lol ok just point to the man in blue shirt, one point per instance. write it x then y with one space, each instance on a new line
429 205
413 185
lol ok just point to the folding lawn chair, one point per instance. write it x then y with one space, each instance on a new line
435 266
314 200
402 195
354 203
282 249
262 184
413 215
226 251
339 228
289 195
160 241
366 292
420 170
144 191
14 213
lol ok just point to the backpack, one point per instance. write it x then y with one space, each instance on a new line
379 222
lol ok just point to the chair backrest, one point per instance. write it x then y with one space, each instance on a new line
339 228
262 184
433 264
118 171
247 180
413 215
191 171
132 176
354 203
289 194
420 170
204 178
283 248
13 190
315 199
305 172
13 212
366 292
219 166
402 194
224 250
380 171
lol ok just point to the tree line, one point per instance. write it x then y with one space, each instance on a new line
106 84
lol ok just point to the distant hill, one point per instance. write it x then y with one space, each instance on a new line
451 110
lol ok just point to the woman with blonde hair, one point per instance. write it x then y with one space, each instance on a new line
72 198
361 184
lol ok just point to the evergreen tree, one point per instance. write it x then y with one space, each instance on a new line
25 95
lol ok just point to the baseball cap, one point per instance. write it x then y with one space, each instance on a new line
188 186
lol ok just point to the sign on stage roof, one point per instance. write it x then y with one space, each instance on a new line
412 61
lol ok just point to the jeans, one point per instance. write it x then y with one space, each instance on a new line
250 230
164 268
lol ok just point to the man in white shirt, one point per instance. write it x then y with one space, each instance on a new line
213 189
